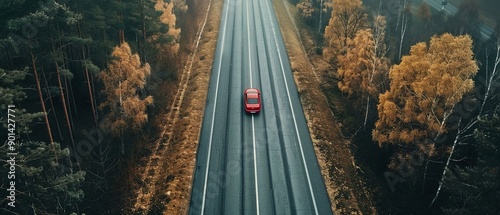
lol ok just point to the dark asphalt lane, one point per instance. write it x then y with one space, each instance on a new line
262 163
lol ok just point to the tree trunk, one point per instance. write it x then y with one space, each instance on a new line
69 101
441 181
123 144
91 94
63 101
49 131
491 77
94 98
425 176
86 73
404 26
320 16
367 109
403 32
52 105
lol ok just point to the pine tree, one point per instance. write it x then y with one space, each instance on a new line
42 186
12 93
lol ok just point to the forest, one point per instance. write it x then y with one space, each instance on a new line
79 79
419 88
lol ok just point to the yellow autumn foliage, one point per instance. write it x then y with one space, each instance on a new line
123 81
348 17
425 87
363 66
168 17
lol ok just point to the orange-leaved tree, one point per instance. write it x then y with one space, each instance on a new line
348 17
364 61
306 8
123 83
424 89
355 67
363 69
168 17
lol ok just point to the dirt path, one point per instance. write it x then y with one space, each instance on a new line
173 194
167 175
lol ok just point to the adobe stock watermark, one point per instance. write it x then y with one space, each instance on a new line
83 148
406 167
216 182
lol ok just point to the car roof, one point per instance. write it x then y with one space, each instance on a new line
252 90
252 95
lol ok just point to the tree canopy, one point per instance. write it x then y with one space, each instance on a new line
424 89
347 18
123 81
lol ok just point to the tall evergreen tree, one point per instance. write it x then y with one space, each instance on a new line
12 93
42 185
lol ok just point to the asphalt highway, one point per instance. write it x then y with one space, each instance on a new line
263 163
485 30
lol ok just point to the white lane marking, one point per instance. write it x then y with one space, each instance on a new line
249 50
255 167
293 113
213 113
253 122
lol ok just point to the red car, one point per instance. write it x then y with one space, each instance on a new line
252 100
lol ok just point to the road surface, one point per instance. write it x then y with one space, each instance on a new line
449 9
263 163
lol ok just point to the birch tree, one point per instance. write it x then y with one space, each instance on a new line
123 82
306 8
492 76
424 89
475 188
405 15
169 42
364 68
348 17
486 139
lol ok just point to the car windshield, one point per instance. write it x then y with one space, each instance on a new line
252 101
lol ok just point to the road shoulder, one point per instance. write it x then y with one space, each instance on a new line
345 184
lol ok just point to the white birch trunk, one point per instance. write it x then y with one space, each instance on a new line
441 181
491 78
367 109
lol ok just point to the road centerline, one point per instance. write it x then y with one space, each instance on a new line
253 120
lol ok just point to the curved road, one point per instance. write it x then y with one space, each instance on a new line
254 164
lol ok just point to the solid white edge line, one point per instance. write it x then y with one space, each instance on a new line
213 113
293 113
253 123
